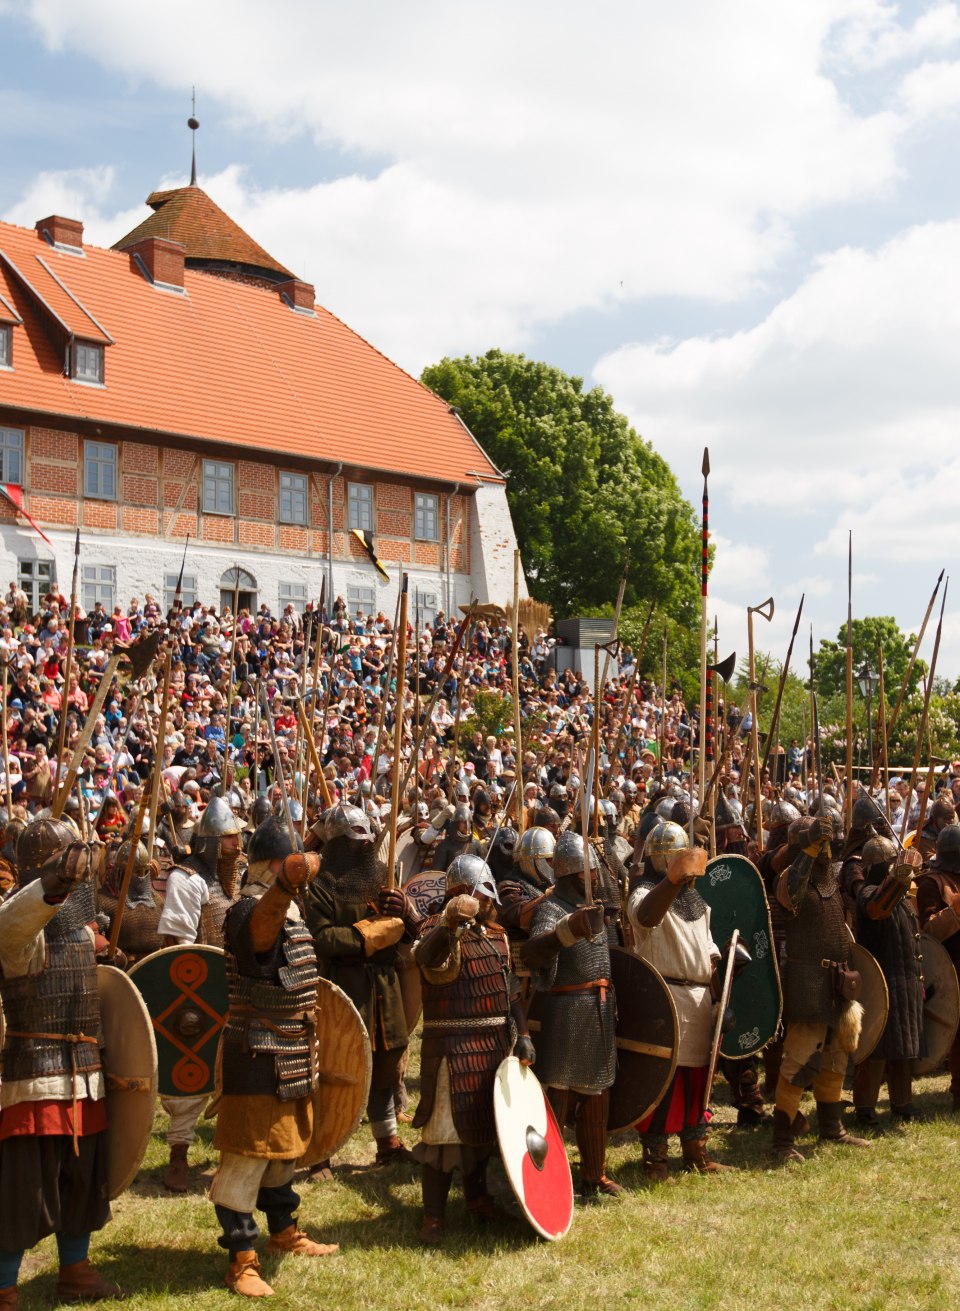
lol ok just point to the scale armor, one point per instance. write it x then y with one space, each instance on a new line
61 999
473 1053
576 1047
274 1016
138 931
817 932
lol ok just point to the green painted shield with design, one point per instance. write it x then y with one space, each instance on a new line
734 891
185 989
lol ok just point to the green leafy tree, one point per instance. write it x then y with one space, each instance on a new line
868 636
585 491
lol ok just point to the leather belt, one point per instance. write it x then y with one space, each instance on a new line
484 1022
73 1039
601 986
685 983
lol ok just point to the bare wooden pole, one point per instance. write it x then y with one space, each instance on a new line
595 790
882 735
313 758
916 650
766 610
311 745
775 721
67 665
386 687
134 841
848 807
86 733
398 736
515 662
585 830
921 732
157 778
663 709
4 728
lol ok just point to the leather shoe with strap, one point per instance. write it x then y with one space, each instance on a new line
294 1242
830 1121
244 1278
391 1151
80 1282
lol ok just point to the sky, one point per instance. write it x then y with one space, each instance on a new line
739 218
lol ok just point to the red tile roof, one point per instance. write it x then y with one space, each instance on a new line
225 362
189 216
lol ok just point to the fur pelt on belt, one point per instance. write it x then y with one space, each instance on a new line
850 1026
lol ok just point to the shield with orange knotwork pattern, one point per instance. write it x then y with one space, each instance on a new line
185 989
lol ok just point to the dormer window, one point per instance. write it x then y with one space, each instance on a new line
6 346
87 362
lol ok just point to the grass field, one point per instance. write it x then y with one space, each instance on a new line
849 1229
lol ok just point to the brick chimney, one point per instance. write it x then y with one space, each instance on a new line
61 231
163 259
301 295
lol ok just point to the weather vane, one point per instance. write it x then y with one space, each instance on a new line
193 123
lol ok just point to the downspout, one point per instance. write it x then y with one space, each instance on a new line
449 603
330 598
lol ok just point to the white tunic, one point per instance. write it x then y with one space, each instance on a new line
681 949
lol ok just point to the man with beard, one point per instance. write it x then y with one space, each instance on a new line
469 1013
568 955
886 924
938 906
671 923
942 814
53 1162
200 890
268 1075
357 922
861 830
822 1027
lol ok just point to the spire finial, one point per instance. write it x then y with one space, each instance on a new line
193 123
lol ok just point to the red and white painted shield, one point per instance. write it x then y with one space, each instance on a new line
531 1144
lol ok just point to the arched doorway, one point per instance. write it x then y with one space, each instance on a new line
238 591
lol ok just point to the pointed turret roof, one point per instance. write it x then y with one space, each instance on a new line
213 241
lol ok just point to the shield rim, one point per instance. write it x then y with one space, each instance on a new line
612 1129
203 948
924 1065
738 1054
859 952
118 1185
311 1156
500 1118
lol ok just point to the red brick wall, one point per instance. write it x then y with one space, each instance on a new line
61 478
217 528
48 443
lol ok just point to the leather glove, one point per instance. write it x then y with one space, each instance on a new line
460 910
825 829
391 901
299 867
379 933
66 870
523 1050
587 921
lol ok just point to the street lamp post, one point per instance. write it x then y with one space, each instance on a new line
868 682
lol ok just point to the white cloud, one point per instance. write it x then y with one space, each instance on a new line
871 36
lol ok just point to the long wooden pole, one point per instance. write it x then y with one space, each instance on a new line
416 689
585 830
67 664
5 730
892 723
812 773
386 688
134 840
595 790
882 735
157 778
775 721
398 736
704 577
921 732
766 610
515 663
312 757
312 749
848 807
663 710
85 735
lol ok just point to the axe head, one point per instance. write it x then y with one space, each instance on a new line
765 608
725 667
143 652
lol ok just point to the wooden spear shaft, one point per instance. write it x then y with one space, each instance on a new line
134 840
515 662
916 651
882 734
921 733
775 721
704 576
386 690
398 737
85 736
754 740
4 728
849 772
157 778
313 758
68 662
595 790
663 709
312 749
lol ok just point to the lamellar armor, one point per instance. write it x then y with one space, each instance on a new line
815 936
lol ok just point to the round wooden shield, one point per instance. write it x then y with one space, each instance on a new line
941 1004
531 1145
875 1000
130 1063
425 888
734 891
646 1039
345 1067
185 989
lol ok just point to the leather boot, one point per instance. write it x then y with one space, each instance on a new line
294 1242
784 1143
830 1120
80 1282
696 1160
176 1177
9 1298
603 1188
655 1163
391 1151
431 1231
243 1277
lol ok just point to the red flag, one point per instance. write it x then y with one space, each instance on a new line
14 495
